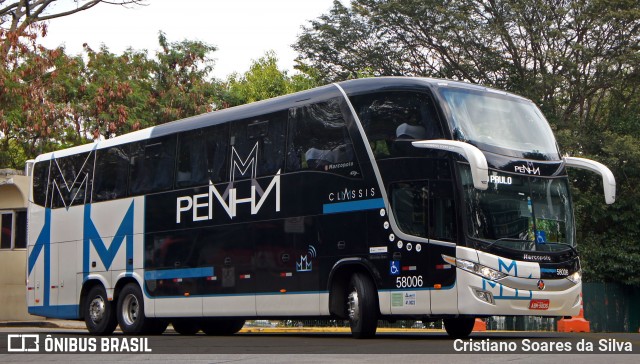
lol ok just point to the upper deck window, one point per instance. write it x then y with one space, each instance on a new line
499 123
152 165
70 181
319 139
390 119
202 155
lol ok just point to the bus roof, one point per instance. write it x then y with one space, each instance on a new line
351 88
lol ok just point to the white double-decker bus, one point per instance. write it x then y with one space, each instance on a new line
383 198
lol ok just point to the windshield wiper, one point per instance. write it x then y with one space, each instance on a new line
573 249
508 239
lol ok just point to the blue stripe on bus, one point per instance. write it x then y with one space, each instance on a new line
332 208
56 311
179 273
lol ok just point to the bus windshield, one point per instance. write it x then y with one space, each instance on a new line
519 212
500 123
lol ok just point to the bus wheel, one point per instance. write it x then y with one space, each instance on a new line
459 328
157 326
99 315
218 327
131 315
185 326
362 307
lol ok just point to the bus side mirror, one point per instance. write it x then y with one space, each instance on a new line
608 180
475 157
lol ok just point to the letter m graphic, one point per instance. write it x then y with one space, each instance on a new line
508 268
248 165
107 255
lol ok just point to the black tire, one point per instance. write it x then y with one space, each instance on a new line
131 315
459 328
99 312
186 326
221 327
362 306
157 326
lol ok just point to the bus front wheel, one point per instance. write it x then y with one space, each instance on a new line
362 307
99 315
459 328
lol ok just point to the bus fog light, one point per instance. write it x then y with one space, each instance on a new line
485 296
575 277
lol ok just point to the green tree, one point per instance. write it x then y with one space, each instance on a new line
36 97
264 80
115 94
182 83
29 120
51 100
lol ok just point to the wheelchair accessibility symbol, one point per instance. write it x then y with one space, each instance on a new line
394 269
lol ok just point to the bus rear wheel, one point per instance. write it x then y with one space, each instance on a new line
362 307
131 316
221 327
98 311
460 327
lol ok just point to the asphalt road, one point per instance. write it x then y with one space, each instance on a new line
335 347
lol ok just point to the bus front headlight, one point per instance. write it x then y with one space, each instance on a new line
476 268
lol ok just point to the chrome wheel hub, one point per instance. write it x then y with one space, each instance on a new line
97 308
130 310
353 309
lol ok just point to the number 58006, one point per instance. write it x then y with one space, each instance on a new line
408 282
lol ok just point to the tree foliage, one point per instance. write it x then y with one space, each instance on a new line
264 80
50 100
182 84
578 59
38 86
18 15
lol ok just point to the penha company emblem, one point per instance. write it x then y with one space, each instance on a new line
541 285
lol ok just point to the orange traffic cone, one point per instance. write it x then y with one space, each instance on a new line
479 325
575 323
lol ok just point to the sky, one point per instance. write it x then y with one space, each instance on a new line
242 30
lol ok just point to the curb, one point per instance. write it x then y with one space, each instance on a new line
43 324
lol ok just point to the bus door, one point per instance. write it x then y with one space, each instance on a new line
442 237
425 209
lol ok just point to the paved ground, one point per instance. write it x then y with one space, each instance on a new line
260 345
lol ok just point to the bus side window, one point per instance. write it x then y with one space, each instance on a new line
424 208
258 143
112 171
319 139
40 182
152 165
70 182
391 117
201 156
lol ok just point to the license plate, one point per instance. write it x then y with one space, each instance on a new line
539 305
